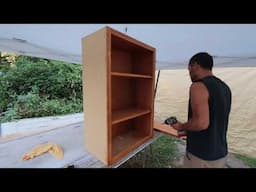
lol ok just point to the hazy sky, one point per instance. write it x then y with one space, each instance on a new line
173 42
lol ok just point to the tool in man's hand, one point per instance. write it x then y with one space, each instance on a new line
172 120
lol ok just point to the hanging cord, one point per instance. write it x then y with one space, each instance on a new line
158 75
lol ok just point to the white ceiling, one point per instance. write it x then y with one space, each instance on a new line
175 43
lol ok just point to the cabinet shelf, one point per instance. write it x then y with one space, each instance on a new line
124 143
126 114
130 75
129 134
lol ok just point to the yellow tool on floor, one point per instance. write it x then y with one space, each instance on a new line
53 148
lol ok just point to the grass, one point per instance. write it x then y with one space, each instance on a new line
159 154
251 162
163 152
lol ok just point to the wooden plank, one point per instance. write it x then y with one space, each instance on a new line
131 75
132 41
126 114
122 93
133 144
108 95
129 144
155 136
121 61
144 94
165 129
122 142
143 63
95 93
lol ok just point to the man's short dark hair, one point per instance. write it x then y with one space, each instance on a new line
203 59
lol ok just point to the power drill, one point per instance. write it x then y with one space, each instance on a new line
172 120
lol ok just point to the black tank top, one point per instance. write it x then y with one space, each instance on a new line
211 144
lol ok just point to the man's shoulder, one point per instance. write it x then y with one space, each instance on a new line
225 84
217 81
198 87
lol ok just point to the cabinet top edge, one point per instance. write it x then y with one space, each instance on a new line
129 38
110 31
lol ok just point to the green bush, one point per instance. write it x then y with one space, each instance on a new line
7 96
52 107
249 161
54 79
6 61
39 87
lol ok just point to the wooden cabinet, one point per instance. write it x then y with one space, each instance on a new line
118 91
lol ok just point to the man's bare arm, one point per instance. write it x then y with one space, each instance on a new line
200 109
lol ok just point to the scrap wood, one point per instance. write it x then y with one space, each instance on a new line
167 129
53 148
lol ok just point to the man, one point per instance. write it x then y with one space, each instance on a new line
208 116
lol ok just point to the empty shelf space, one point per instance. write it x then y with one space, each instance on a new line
123 142
132 75
128 135
126 114
132 62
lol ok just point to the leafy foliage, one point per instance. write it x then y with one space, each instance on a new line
6 61
38 87
250 161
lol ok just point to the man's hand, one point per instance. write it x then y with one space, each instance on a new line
177 126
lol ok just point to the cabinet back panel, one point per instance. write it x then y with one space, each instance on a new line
121 61
144 93
142 63
123 93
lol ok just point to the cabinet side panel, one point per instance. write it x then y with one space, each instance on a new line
153 90
94 52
